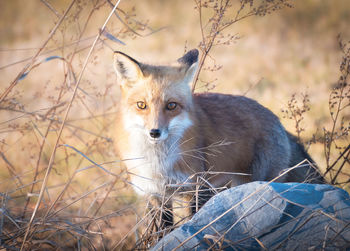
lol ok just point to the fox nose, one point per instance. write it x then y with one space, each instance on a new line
155 133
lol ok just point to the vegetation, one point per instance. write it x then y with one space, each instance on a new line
62 187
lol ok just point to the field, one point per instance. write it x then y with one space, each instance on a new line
61 184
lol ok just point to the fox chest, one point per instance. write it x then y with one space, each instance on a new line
152 168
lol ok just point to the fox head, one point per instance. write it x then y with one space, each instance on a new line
156 100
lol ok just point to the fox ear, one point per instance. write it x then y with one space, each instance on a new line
127 69
190 62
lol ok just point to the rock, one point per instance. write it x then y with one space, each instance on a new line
272 216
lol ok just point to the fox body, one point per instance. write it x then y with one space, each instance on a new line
166 135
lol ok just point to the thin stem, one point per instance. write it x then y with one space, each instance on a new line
52 157
14 82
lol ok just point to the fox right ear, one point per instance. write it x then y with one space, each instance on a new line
127 69
190 63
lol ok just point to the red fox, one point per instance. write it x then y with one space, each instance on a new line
167 135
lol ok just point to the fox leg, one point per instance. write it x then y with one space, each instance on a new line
202 195
167 217
182 208
163 215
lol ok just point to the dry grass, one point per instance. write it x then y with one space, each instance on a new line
60 181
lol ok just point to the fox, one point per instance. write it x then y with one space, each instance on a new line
167 136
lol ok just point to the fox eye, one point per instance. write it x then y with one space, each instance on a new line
141 105
171 106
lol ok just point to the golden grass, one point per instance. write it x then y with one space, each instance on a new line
290 51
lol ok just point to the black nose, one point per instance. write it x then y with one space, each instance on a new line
155 133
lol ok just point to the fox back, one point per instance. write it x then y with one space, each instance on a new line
167 136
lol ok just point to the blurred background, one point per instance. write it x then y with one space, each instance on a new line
288 59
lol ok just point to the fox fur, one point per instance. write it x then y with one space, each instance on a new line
227 140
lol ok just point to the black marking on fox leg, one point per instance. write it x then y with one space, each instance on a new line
204 194
167 219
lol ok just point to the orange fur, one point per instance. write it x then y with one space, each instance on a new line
213 136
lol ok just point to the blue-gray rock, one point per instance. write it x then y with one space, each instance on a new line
268 216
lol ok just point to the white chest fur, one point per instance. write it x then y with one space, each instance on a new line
152 166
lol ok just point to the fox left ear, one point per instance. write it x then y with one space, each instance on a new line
190 62
128 69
